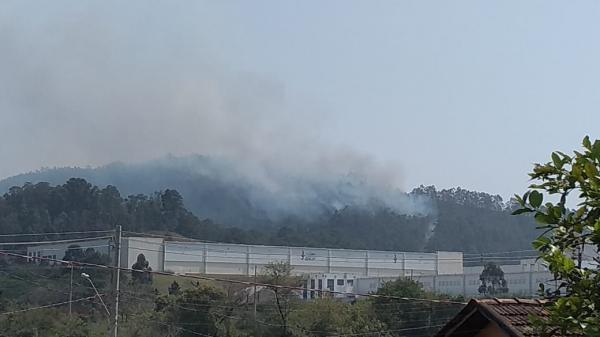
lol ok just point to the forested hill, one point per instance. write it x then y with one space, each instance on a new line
460 220
232 193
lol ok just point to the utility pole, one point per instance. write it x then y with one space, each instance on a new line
255 299
71 292
254 293
117 287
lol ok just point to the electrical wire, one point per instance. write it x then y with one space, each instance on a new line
195 306
314 258
321 332
248 283
22 243
476 256
403 259
56 233
59 249
47 306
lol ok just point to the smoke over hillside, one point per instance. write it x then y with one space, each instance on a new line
91 88
220 189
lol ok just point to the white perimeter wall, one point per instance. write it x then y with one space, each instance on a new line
152 248
519 283
234 259
59 250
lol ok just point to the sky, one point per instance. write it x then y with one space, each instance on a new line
449 93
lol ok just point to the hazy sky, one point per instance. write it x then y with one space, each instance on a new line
451 93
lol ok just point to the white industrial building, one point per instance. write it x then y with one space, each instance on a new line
524 265
340 286
520 284
58 249
237 259
337 270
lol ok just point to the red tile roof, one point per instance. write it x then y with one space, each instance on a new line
515 313
511 315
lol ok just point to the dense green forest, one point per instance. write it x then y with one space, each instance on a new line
461 221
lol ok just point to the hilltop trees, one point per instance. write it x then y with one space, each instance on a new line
475 222
568 181
454 219
79 206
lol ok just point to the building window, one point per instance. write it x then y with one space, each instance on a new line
340 282
330 284
350 283
320 282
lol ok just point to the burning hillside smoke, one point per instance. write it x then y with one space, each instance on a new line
81 86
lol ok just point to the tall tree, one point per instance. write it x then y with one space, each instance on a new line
200 310
279 277
326 317
568 181
492 280
141 270
404 304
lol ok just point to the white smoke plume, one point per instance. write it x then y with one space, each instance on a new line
85 84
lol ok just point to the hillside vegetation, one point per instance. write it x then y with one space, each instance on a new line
459 220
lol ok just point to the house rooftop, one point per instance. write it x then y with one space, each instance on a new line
510 315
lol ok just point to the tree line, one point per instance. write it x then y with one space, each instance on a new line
462 221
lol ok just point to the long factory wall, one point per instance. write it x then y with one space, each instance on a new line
519 283
236 259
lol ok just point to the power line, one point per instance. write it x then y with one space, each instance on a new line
192 241
323 259
179 328
55 233
476 256
502 252
194 306
248 283
284 255
180 237
317 258
32 282
232 317
299 327
25 243
47 306
58 249
383 331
